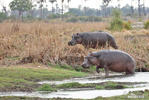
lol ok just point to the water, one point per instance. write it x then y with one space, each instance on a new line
138 77
87 93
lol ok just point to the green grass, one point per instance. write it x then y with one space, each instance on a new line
22 78
104 85
114 85
70 85
46 87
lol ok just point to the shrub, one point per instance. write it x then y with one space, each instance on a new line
53 16
146 25
127 25
46 87
70 85
3 16
116 23
72 19
84 19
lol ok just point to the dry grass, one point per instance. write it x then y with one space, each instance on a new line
47 42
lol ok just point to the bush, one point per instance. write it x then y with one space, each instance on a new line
84 19
146 25
117 24
46 87
127 25
72 19
3 16
54 16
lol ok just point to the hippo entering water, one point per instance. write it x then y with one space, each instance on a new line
114 60
93 39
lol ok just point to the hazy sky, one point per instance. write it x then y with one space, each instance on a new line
89 3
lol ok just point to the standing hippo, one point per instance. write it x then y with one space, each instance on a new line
114 60
93 39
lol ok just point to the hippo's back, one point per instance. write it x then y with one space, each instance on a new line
116 56
94 35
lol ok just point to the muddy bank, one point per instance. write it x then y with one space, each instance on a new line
90 93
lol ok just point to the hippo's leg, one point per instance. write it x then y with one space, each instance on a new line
97 69
130 70
106 71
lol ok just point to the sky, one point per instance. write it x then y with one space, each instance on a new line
90 3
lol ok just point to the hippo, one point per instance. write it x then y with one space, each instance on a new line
93 39
113 60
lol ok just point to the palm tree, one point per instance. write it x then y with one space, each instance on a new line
144 12
40 2
62 7
139 8
118 3
105 4
68 1
85 7
132 9
52 1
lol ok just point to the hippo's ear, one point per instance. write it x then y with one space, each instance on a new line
94 54
78 34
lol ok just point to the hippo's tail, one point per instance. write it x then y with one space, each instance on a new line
111 42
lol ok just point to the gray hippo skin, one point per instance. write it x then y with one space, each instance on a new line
93 39
114 60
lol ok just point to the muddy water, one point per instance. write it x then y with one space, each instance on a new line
89 93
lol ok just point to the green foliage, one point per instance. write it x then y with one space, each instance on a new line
24 78
146 25
54 16
46 87
127 25
20 5
3 16
113 85
70 85
117 24
84 19
99 87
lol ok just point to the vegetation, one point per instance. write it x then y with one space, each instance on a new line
24 79
45 43
46 87
84 19
117 24
104 85
136 95
146 25
20 6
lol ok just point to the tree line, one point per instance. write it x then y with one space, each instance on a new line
39 9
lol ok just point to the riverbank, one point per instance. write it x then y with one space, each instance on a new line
137 95
25 77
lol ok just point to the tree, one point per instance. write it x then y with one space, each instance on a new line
139 8
104 6
20 6
132 8
52 1
40 2
68 1
62 7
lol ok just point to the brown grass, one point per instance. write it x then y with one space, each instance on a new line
47 42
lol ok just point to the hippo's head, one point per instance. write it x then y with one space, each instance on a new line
90 60
76 39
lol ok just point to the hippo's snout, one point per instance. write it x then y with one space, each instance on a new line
70 43
85 66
